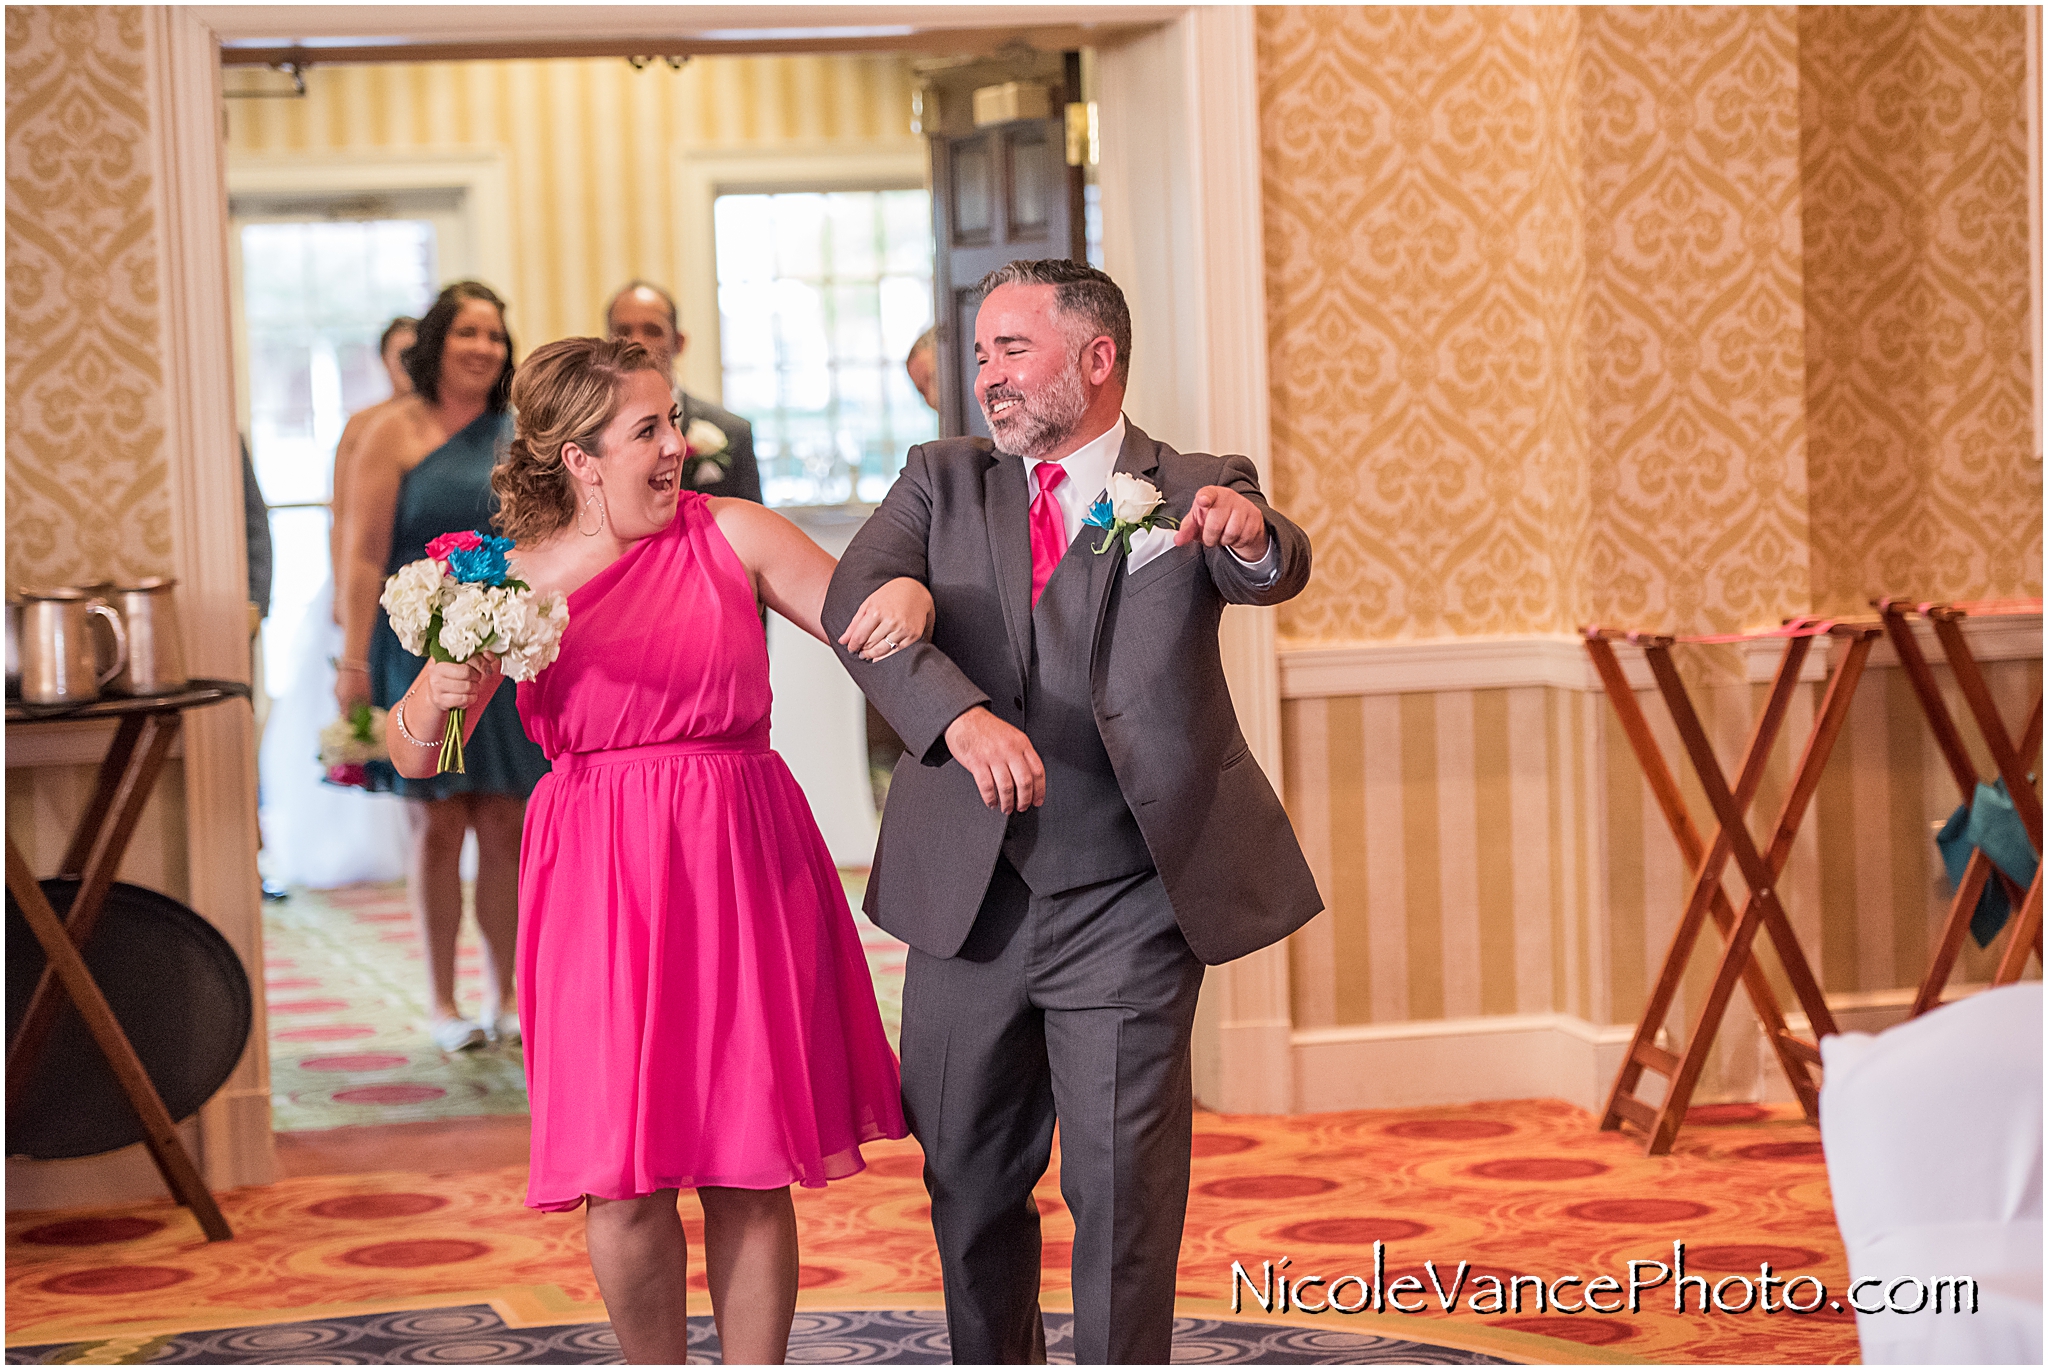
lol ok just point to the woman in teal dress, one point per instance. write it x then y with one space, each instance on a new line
424 470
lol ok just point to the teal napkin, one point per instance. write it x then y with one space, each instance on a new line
1989 822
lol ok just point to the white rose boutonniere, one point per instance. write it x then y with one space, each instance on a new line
1128 507
710 452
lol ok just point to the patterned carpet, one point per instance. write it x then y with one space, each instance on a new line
1525 1187
476 1335
347 996
348 1013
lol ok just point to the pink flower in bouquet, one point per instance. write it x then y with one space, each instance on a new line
351 773
465 541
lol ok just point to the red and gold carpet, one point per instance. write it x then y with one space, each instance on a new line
1522 1188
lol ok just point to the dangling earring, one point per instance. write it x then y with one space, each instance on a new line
596 501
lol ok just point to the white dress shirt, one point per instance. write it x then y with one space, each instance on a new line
1088 469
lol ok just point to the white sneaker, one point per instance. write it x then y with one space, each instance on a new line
505 1030
457 1034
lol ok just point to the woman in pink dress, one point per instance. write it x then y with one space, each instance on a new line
697 1009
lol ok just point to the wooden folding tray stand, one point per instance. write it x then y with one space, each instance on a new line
1708 860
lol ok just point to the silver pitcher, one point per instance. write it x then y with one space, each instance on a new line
105 650
155 663
14 646
58 664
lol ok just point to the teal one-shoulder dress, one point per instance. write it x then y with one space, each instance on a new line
449 491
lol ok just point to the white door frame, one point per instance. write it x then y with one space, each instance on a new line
1182 232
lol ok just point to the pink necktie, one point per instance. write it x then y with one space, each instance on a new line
1048 527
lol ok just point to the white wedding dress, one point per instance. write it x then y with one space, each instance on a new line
316 834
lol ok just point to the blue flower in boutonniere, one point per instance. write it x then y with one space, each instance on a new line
1128 507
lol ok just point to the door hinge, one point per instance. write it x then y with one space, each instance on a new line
1084 135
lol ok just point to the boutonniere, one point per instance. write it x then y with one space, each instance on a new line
1128 507
710 452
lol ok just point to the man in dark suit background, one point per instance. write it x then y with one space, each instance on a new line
1077 825
646 314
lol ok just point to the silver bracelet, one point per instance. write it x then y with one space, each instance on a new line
405 732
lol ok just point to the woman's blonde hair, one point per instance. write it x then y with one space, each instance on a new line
567 391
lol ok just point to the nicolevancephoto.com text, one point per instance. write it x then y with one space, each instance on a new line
1273 1290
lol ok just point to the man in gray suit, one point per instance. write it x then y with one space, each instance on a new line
1078 824
644 313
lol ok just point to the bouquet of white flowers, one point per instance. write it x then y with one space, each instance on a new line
347 743
459 601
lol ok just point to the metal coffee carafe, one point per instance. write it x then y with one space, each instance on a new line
58 664
155 661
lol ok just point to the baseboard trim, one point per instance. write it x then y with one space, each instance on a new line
1450 1061
127 1176
1456 1061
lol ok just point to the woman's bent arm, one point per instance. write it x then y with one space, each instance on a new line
439 689
790 572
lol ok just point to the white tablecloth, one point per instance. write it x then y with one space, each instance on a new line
1933 1135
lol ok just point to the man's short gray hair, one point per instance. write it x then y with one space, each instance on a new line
1083 293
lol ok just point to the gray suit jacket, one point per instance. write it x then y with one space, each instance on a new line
742 479
956 519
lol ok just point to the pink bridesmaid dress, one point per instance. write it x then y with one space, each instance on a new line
696 1005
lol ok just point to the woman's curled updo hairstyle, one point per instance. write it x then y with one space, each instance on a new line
567 391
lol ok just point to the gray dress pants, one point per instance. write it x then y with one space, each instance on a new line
1076 1007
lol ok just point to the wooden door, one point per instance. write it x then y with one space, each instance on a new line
999 193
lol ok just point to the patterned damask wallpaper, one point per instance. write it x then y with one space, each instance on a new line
87 493
1423 267
1919 364
1693 321
1538 291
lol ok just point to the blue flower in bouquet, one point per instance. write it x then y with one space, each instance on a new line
483 564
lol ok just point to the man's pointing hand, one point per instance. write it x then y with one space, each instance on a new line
1219 515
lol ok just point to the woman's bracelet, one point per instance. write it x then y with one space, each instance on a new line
342 665
403 731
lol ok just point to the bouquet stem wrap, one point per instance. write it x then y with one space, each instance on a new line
451 736
457 603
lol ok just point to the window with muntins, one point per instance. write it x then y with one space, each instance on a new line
820 295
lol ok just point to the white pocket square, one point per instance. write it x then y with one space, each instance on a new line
1153 542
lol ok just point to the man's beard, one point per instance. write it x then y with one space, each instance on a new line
1042 421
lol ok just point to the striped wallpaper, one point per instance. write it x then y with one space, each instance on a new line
1491 852
590 146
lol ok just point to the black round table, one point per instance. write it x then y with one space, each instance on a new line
127 774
